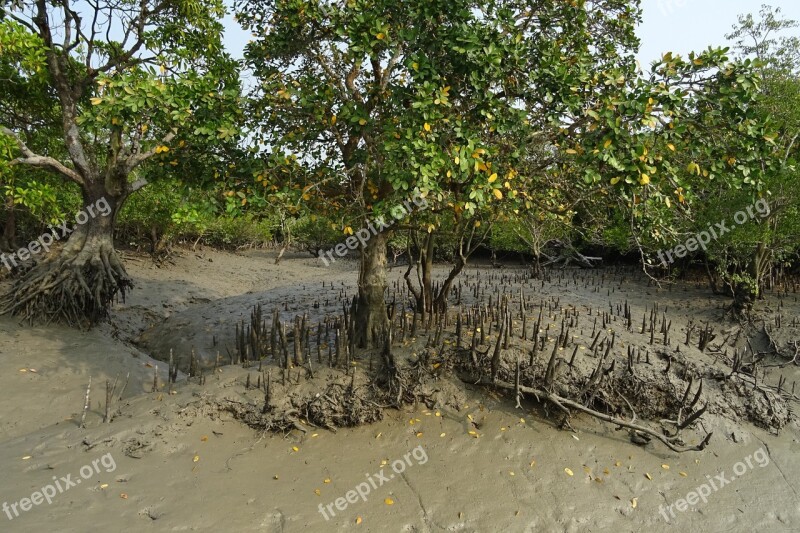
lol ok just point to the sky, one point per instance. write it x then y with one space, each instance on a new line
679 26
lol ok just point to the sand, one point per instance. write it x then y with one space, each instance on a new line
175 462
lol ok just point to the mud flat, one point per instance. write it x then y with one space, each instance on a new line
191 457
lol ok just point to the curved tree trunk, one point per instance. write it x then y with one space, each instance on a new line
371 323
76 282
440 304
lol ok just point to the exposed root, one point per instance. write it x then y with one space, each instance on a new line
565 404
75 287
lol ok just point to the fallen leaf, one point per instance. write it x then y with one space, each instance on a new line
123 496
569 472
358 520
388 501
683 474
317 492
196 458
442 434
204 439
665 467
327 480
295 449
634 502
648 476
104 486
26 457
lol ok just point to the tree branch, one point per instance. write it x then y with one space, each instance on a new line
32 159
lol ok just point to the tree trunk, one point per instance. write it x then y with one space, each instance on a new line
440 304
371 325
8 240
76 282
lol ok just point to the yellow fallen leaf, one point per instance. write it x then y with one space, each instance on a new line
123 496
314 435
511 473
442 434
388 501
26 457
533 462
195 458
358 520
204 439
634 502
683 474
648 476
317 492
427 127
295 449
498 194
327 480
569 472
104 486
419 434
665 467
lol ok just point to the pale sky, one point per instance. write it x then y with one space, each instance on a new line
678 26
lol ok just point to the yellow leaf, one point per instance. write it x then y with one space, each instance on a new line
380 36
498 194
607 143
358 520
634 502
295 449
196 458
333 119
388 501
348 230
457 160
317 492
648 476
644 180
569 472
96 101
671 146
665 467
362 122
571 151
614 181
427 127
493 178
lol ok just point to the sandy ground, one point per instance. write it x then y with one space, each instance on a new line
169 462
